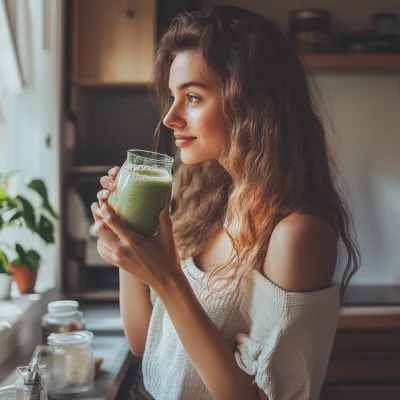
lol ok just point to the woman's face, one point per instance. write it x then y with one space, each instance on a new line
195 114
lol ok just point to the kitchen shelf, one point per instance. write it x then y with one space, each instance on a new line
90 169
352 61
97 84
101 294
326 61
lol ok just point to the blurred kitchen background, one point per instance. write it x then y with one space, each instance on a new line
74 97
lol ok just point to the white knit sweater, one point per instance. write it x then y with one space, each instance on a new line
283 339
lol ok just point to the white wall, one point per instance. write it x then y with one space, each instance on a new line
365 108
33 115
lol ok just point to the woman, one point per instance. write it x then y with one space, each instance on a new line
233 298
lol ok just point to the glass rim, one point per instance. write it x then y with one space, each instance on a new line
59 339
164 158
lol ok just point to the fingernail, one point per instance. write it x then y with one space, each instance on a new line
106 193
113 170
111 185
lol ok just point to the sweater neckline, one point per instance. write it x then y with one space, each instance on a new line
192 268
295 297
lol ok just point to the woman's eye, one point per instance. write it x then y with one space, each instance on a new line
193 99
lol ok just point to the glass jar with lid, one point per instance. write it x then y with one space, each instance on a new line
63 316
71 365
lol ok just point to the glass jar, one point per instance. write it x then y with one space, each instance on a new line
71 366
143 188
63 316
310 30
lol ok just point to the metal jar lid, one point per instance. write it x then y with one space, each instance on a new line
63 307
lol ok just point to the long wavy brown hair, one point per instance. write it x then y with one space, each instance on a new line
277 155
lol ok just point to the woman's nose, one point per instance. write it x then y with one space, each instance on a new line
173 119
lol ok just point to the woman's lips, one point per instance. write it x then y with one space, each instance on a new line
184 142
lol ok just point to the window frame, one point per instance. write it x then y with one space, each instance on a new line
10 70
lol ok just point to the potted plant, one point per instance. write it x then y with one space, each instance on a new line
18 211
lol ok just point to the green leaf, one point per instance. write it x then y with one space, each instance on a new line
45 229
7 203
16 216
28 213
40 187
3 194
4 264
31 259
14 220
21 253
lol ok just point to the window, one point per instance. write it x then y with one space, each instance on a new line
30 106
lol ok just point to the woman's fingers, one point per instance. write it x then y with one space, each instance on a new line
105 252
103 195
118 226
107 182
117 250
96 212
113 172
103 232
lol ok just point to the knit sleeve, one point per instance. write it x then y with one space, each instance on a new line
289 338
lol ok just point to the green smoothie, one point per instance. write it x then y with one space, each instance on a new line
141 193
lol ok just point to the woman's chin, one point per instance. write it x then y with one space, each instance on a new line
193 156
188 157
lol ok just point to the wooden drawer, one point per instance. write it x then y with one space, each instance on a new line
360 392
365 360
365 355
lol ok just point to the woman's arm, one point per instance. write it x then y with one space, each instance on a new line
136 308
212 357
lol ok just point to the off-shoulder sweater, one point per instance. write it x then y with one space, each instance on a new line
283 339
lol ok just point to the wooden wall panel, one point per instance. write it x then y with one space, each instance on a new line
113 41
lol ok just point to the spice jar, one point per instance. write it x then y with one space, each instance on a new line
63 316
71 366
310 30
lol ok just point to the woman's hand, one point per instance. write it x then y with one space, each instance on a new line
154 260
108 183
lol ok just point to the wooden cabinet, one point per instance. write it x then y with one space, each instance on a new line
113 41
365 360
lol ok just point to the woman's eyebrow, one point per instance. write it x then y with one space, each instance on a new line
186 85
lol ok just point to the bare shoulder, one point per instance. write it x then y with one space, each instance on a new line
302 253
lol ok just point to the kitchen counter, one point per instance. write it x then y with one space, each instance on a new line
371 306
116 361
115 352
373 295
109 343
